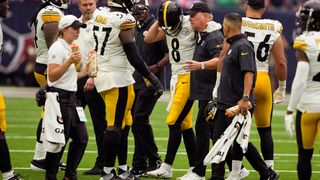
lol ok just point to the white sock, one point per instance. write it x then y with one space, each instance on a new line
123 167
107 170
39 152
270 163
8 175
236 166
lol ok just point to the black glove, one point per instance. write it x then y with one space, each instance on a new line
210 110
41 95
157 86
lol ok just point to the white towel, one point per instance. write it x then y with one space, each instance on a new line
173 83
52 127
220 149
244 135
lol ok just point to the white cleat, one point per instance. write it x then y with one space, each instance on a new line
165 171
243 173
192 176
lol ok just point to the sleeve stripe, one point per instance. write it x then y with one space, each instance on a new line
300 45
50 18
127 25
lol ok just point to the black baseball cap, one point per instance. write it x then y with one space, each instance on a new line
198 7
256 3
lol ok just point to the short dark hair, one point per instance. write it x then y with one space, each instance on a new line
256 4
234 18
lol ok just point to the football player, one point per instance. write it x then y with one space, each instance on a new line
180 37
5 163
305 92
116 54
45 22
265 34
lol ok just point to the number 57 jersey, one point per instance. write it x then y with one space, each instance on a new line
114 69
309 43
262 33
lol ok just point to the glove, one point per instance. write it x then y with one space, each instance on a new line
288 124
210 110
41 95
157 86
280 93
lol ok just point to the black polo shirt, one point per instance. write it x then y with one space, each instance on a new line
208 46
239 59
150 53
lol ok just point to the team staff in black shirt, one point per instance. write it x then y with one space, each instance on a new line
155 55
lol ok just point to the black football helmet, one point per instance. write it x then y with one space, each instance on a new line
127 4
62 4
308 17
170 17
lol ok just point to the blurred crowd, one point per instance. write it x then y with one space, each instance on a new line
271 5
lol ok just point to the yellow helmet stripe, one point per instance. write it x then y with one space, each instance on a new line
165 12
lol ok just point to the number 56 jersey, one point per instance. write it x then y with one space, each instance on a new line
309 43
114 69
262 33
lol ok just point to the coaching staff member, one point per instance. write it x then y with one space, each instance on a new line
209 40
156 56
238 78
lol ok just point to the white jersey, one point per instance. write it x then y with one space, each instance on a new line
181 47
114 69
309 43
86 40
45 15
262 33
58 52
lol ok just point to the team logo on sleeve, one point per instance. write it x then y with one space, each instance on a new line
185 31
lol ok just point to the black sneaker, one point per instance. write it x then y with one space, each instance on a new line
138 172
125 175
154 166
94 171
273 175
111 176
38 164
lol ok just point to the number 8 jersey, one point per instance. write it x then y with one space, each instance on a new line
262 33
114 69
309 43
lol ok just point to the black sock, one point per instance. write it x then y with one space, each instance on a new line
304 163
111 143
123 149
189 140
173 143
266 143
5 164
39 130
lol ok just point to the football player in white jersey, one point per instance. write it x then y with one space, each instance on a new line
117 54
305 92
180 37
265 35
45 22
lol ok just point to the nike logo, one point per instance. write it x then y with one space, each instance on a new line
184 82
219 45
243 54
160 174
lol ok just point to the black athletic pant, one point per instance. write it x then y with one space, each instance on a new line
202 137
145 148
74 129
5 162
97 112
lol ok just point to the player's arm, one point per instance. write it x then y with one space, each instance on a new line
51 31
298 86
280 59
155 34
130 48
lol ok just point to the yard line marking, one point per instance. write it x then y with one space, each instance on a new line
182 170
